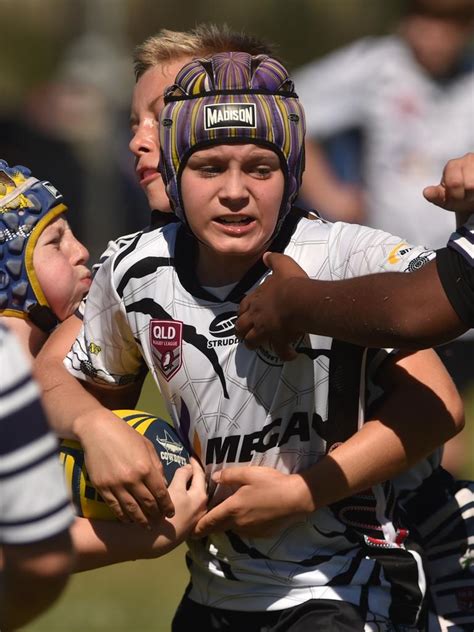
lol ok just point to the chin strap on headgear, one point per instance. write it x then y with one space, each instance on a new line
27 206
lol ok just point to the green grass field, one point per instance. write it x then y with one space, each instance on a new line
142 596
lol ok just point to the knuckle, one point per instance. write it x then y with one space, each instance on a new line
136 473
113 504
150 505
161 494
131 507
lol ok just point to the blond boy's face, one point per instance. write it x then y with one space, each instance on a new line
147 103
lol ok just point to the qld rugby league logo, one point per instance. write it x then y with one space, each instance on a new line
166 337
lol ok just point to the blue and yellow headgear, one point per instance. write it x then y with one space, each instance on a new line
27 206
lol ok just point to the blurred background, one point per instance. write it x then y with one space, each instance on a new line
66 80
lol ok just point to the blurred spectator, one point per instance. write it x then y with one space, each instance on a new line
411 95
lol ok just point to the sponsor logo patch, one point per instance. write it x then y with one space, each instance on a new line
94 349
235 115
417 263
223 328
223 325
166 338
398 252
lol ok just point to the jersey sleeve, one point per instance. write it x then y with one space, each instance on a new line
463 241
34 504
335 89
457 278
112 248
105 351
355 250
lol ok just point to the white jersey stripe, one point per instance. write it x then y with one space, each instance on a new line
27 454
22 396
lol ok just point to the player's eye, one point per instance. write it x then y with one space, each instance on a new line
56 239
262 171
209 170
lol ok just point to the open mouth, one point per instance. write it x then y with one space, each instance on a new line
234 221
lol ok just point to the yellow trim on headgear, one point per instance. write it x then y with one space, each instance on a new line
30 246
15 313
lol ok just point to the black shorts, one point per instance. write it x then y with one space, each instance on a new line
321 615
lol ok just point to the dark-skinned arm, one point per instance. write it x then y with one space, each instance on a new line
389 309
379 310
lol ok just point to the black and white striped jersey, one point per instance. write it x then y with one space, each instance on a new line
455 266
34 504
234 406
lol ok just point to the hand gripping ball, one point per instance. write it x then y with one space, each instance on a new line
86 499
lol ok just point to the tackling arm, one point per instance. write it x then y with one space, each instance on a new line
121 463
421 411
388 309
102 542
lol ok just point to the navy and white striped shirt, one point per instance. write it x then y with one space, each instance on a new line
34 503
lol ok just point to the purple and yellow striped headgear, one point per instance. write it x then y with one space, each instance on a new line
232 98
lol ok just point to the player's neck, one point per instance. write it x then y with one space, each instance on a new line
217 271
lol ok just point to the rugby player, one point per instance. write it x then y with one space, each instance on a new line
286 549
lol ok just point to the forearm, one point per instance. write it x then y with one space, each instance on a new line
380 310
373 455
102 543
421 412
67 402
64 398
72 404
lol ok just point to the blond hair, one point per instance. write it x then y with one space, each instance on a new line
203 40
